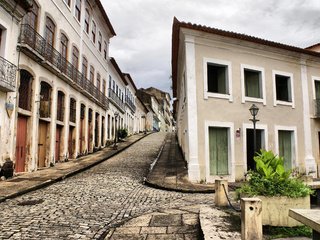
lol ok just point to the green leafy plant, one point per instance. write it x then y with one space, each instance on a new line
271 179
122 133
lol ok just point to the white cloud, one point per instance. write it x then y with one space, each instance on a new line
142 46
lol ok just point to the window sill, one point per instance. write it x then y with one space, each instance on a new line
284 103
218 95
68 7
76 19
252 99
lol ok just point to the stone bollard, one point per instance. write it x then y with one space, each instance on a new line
251 219
220 197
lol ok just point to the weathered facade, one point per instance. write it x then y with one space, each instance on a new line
217 76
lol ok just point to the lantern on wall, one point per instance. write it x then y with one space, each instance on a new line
9 108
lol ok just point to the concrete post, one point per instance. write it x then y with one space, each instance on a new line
220 197
251 219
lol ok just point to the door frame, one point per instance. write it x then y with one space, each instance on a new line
264 140
231 154
26 140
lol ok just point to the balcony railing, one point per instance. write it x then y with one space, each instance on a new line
130 104
114 98
7 75
317 108
58 63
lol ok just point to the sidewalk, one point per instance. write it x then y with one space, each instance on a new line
170 172
27 182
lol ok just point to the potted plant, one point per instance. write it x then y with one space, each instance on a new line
277 188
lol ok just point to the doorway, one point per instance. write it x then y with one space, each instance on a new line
42 143
71 142
58 143
251 164
21 145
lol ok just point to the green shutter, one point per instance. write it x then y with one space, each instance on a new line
218 151
252 84
285 148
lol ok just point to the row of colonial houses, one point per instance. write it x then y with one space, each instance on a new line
217 76
61 94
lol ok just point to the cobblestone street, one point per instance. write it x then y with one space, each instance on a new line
87 205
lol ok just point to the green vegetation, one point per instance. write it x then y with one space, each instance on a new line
122 133
271 179
285 232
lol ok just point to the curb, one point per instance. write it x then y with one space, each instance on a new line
69 174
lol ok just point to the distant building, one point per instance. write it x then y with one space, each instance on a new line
217 76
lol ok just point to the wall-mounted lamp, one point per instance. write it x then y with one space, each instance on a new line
9 107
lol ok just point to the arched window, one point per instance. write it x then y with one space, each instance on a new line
75 57
86 21
64 46
85 67
73 107
98 81
25 90
60 106
94 29
91 74
32 17
49 31
78 10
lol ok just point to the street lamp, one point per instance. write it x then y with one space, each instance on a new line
116 114
254 111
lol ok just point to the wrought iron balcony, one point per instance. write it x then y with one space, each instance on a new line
130 104
35 46
115 99
7 75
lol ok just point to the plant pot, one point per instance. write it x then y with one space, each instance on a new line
275 210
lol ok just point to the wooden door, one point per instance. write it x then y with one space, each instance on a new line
71 142
82 136
42 144
21 144
58 143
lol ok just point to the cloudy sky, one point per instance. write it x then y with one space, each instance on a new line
142 46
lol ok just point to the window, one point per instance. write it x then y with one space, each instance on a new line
252 81
217 78
218 151
113 85
104 87
49 31
94 28
317 89
98 81
64 46
253 84
283 88
75 57
86 21
60 106
105 50
25 90
91 74
68 2
100 42
286 147
78 10
84 66
32 17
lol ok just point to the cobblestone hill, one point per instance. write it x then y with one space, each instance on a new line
87 205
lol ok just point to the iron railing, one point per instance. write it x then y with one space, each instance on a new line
115 98
317 108
34 40
130 104
7 75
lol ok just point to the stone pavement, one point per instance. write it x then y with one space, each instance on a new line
169 171
26 182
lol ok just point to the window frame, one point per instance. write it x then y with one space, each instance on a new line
87 21
105 50
75 54
64 45
281 102
77 10
263 85
91 74
225 63
231 150
294 142
93 31
99 41
84 66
